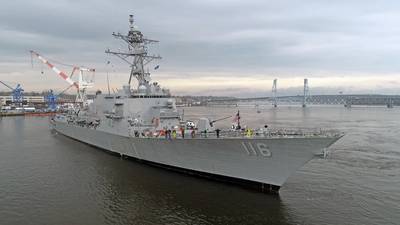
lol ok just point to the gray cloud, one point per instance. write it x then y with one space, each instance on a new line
306 37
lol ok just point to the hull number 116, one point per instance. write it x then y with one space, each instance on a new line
256 149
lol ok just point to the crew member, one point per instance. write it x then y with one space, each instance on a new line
217 131
248 132
166 133
183 132
174 134
169 134
193 134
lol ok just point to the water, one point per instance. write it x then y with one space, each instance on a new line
46 178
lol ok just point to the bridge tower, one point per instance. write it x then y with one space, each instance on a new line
348 102
390 103
274 93
306 93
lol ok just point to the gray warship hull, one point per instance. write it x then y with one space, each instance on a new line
262 163
136 122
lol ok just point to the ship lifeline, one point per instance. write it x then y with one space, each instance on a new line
132 122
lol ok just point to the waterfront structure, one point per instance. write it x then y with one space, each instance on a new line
28 99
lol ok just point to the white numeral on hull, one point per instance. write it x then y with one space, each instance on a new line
261 149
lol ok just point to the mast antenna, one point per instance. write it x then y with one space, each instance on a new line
108 84
131 22
137 55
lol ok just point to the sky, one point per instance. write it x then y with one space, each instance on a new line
211 47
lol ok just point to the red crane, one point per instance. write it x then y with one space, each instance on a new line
81 85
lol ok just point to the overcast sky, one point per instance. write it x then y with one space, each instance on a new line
218 47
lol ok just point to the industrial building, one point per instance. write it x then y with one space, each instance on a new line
6 99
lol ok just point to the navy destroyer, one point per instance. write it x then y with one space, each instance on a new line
143 122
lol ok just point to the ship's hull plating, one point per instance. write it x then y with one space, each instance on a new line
267 162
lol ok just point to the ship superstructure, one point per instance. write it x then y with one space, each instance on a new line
144 123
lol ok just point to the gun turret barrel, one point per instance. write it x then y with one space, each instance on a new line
224 118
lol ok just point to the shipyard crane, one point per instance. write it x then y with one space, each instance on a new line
51 100
17 92
81 85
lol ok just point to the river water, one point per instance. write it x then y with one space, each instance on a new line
46 178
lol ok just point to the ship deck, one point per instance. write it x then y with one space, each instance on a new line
248 134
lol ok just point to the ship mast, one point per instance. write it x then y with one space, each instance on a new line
136 56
